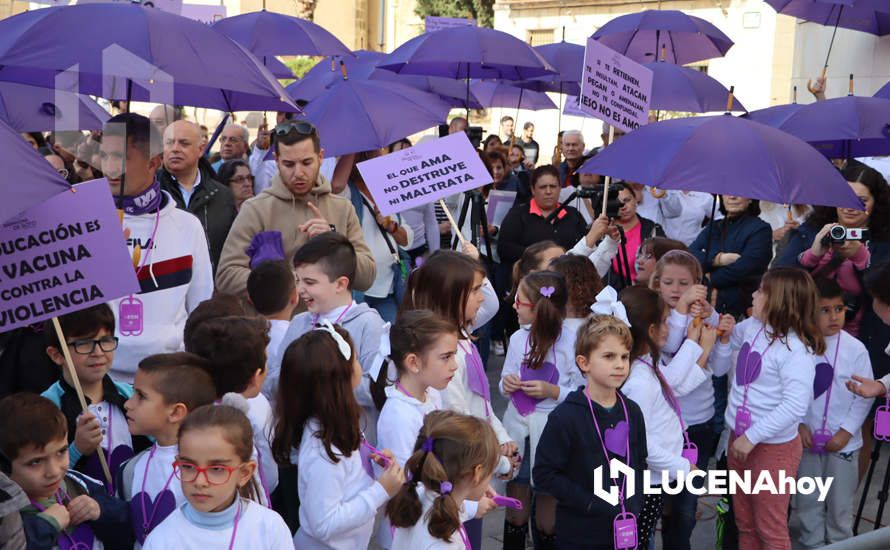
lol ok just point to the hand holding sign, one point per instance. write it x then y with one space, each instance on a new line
316 225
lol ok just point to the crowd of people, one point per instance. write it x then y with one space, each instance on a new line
298 370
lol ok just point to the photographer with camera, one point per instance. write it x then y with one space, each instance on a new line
841 243
615 236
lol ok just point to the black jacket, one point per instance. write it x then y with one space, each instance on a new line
521 228
569 451
212 203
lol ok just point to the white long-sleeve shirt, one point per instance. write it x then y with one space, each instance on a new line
846 410
401 420
695 207
668 207
418 537
338 501
664 435
383 258
601 255
780 396
260 416
560 355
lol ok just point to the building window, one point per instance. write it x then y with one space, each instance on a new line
539 37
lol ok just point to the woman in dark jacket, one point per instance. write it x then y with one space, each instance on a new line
735 252
847 262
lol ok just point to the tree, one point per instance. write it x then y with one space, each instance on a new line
480 10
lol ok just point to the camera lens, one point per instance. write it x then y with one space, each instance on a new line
838 233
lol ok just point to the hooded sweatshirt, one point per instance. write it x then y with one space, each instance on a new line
277 209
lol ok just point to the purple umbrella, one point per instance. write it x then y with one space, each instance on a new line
678 88
842 127
277 67
724 154
267 33
361 115
685 38
33 109
567 59
34 179
330 71
502 94
123 51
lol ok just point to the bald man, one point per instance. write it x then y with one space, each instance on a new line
187 176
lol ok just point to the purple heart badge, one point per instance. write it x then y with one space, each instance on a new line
93 468
547 291
80 539
615 438
747 367
822 380
525 404
146 514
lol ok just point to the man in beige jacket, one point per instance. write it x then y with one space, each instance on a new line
299 205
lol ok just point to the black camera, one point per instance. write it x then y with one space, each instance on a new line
473 132
596 193
840 234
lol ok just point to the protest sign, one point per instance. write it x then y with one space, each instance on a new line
206 14
438 23
499 203
572 108
614 88
65 254
424 173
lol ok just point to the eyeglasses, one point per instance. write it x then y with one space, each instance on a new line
242 179
86 346
63 172
217 474
519 303
302 127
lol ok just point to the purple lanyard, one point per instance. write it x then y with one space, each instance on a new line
235 528
670 397
463 537
599 433
316 317
478 371
748 360
831 383
146 521
402 389
75 544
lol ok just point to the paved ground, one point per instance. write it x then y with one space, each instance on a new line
704 536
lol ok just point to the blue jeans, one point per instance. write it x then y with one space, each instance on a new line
386 307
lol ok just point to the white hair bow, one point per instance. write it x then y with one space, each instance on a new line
607 304
342 344
383 352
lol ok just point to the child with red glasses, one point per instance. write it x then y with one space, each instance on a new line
215 471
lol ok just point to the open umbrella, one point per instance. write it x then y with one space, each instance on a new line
503 94
277 67
686 38
724 154
124 51
32 179
33 109
267 33
568 60
678 88
361 115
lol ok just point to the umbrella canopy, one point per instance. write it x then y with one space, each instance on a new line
841 127
678 88
501 94
468 52
361 115
118 51
34 109
685 38
276 67
34 179
724 154
567 59
269 33
871 16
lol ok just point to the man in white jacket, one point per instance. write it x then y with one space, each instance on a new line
168 246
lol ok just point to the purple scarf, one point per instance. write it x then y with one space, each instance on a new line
142 203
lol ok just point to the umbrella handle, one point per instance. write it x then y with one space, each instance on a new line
608 178
729 100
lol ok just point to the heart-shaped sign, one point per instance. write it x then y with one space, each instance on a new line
525 404
154 511
81 538
615 438
747 367
93 468
822 380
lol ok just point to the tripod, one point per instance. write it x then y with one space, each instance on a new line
473 204
882 493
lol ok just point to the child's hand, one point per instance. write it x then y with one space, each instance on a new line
512 383
384 458
693 294
806 436
83 509
741 448
470 250
509 449
486 504
866 387
392 478
725 327
838 441
88 435
60 514
540 389
708 339
693 330
697 309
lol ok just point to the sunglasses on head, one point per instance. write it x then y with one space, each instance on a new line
302 127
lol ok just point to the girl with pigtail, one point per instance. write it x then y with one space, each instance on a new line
537 376
454 458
